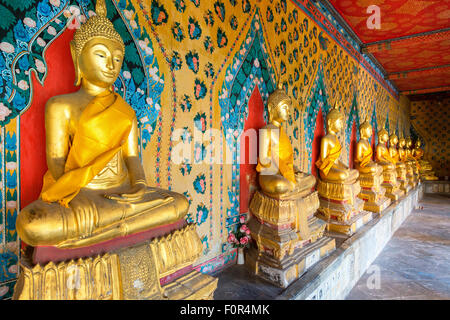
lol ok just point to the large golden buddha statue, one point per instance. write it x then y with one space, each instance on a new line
426 170
399 164
338 185
385 160
370 173
95 188
283 222
95 205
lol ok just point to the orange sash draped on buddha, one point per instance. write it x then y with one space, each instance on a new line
366 158
386 156
326 164
103 128
285 156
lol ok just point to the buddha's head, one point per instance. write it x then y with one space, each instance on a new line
409 143
279 105
335 121
97 50
418 143
383 136
365 130
393 140
402 143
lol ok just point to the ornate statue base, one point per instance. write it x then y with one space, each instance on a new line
373 193
410 176
402 179
341 208
426 171
391 185
158 268
288 237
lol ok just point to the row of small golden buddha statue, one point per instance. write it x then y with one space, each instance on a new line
289 218
98 231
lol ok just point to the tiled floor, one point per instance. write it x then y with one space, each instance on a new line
415 264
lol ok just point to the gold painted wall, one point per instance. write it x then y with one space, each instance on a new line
431 118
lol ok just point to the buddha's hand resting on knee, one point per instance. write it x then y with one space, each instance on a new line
135 193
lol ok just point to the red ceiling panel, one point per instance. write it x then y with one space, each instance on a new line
424 45
418 55
398 18
430 81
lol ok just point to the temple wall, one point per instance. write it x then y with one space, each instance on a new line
190 66
430 119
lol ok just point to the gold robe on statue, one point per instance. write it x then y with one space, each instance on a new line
326 164
102 129
366 157
285 156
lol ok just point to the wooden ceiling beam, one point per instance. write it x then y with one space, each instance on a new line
405 42
419 73
428 90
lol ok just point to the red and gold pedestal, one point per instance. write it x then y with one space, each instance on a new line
373 193
158 268
341 207
288 238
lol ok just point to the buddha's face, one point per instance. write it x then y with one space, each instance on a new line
393 140
409 143
418 143
336 125
383 137
366 132
282 111
402 143
100 61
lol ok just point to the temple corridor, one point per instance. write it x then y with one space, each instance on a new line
415 264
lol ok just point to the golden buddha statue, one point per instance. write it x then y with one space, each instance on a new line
404 157
384 159
370 173
278 176
426 170
364 153
95 188
414 163
338 185
331 168
95 194
283 223
399 164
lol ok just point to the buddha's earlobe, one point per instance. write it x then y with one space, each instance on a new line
75 64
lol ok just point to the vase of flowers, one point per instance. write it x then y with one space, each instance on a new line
240 239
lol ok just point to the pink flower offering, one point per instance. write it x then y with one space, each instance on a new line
244 240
